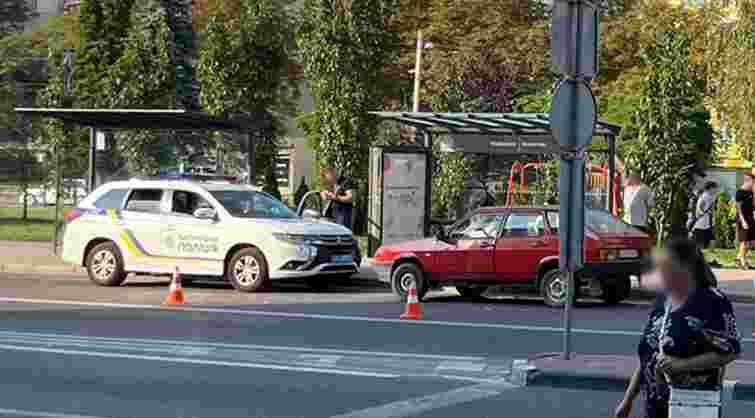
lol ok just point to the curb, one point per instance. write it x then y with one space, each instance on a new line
525 373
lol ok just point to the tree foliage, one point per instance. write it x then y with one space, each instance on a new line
143 77
244 62
346 47
672 125
488 51
730 57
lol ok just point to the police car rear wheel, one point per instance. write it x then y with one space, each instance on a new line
247 270
105 265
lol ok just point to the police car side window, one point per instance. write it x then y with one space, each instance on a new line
145 200
113 199
186 203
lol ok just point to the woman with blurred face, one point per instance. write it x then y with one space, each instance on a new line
690 336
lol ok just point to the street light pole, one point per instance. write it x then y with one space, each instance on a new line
418 70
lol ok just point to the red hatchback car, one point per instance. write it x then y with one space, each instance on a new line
517 246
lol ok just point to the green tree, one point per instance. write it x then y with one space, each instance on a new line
346 47
244 68
147 53
671 122
730 58
104 29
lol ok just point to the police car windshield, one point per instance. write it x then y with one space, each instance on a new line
250 204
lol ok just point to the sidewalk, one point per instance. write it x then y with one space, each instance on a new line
32 257
37 257
612 373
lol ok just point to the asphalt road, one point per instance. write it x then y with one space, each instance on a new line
68 349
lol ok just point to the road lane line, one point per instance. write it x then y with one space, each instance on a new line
41 414
155 341
416 406
330 317
198 361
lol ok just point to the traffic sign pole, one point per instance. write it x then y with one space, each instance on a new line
573 117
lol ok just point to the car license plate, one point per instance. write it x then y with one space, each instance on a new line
342 259
629 253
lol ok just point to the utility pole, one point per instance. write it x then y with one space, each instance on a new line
67 88
418 59
418 70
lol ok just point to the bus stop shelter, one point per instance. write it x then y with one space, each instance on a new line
157 119
500 133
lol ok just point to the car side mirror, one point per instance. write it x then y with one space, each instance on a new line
310 214
205 213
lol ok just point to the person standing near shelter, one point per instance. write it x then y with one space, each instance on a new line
338 197
638 201
691 334
702 221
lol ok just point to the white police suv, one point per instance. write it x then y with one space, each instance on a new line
205 229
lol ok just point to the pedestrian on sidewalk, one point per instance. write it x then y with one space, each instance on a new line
638 201
745 222
690 336
701 220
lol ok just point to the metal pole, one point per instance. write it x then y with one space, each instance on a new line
57 200
429 180
418 70
250 159
611 170
92 159
568 314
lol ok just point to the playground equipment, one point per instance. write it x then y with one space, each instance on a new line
596 182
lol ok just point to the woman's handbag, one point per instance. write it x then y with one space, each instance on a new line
689 403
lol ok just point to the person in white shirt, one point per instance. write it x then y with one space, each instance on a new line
638 201
702 230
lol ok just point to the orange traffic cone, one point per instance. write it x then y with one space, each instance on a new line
413 309
176 293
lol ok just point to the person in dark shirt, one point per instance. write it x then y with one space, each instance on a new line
691 334
745 222
339 197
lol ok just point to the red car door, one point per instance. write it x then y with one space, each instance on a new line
524 242
470 257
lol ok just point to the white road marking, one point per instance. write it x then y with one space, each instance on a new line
197 361
331 317
173 343
463 366
416 406
321 360
476 370
41 414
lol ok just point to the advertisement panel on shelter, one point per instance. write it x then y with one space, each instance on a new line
404 188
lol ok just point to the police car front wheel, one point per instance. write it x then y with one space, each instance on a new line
247 270
105 265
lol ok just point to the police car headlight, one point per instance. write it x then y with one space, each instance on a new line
306 251
292 238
